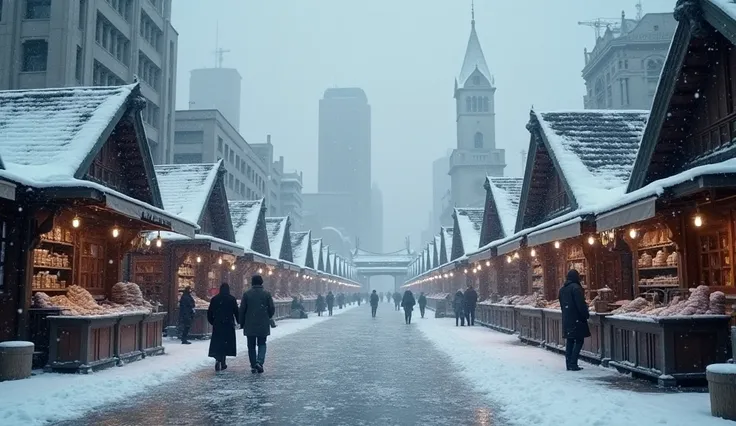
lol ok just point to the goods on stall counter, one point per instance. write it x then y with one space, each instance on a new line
44 280
700 302
662 280
41 300
673 259
127 293
535 300
79 302
654 238
43 257
660 259
58 234
645 261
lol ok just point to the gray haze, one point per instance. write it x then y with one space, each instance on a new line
405 54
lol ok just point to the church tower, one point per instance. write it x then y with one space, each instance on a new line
476 155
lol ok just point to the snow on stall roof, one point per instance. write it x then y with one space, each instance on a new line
474 59
316 250
244 215
45 134
438 245
506 193
300 246
185 188
447 235
469 222
276 229
728 6
595 149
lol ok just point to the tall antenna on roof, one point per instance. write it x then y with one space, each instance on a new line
219 53
639 11
472 13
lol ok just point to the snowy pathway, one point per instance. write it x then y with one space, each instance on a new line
532 387
355 370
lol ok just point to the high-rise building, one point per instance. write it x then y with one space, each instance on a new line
62 43
291 198
622 71
216 88
345 157
476 155
275 172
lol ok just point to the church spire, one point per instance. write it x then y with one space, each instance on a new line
474 58
472 13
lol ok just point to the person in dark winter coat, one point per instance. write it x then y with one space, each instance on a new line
186 315
408 302
374 303
458 304
330 299
319 305
575 316
256 311
358 298
471 299
340 300
422 301
223 315
397 300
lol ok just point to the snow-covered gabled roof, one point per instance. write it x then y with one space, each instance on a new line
246 215
326 258
185 188
594 151
437 248
506 192
319 263
446 234
333 264
468 222
474 60
301 249
277 229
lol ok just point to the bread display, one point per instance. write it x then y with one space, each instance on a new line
79 302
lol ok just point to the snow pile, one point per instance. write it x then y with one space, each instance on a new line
506 193
51 397
531 386
185 188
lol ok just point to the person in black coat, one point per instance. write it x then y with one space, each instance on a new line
458 304
340 300
256 311
397 300
330 299
408 302
319 305
186 315
575 316
223 315
374 303
422 301
471 300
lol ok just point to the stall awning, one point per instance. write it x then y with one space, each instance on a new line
221 246
561 231
626 215
448 268
142 212
482 255
510 246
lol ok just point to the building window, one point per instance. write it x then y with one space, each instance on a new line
626 64
609 96
79 65
102 76
187 158
38 9
237 162
82 14
149 72
112 40
151 114
188 137
475 104
231 157
35 53
478 140
485 104
1 10
123 7
600 94
219 144
626 92
468 104
151 32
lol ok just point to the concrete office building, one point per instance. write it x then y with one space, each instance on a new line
216 88
275 173
62 43
291 198
622 71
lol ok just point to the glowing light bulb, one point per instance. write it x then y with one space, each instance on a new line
232 267
76 222
698 220
115 232
557 244
633 233
219 261
533 253
488 263
199 259
516 255
147 242
159 241
260 270
508 259
591 240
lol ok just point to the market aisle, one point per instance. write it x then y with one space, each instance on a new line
353 370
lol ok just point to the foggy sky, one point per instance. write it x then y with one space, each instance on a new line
405 54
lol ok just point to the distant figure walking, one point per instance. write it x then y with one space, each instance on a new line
186 315
458 304
422 301
358 298
340 300
330 302
374 303
320 305
223 315
256 311
471 300
397 300
575 316
408 302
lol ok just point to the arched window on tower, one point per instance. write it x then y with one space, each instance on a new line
468 104
485 104
475 104
478 140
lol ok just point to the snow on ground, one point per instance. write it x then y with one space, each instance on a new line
52 397
531 387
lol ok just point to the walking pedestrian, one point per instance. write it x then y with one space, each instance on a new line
422 301
397 300
374 303
320 305
330 302
340 300
223 315
408 302
471 300
256 312
186 315
458 304
575 316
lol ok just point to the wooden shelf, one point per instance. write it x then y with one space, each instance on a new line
659 285
60 268
60 243
656 246
45 290
186 276
656 268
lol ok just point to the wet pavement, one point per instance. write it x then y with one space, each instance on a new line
351 370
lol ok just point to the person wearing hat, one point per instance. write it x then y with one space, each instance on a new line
186 315
256 314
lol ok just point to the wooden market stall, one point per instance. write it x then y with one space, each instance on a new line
88 190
